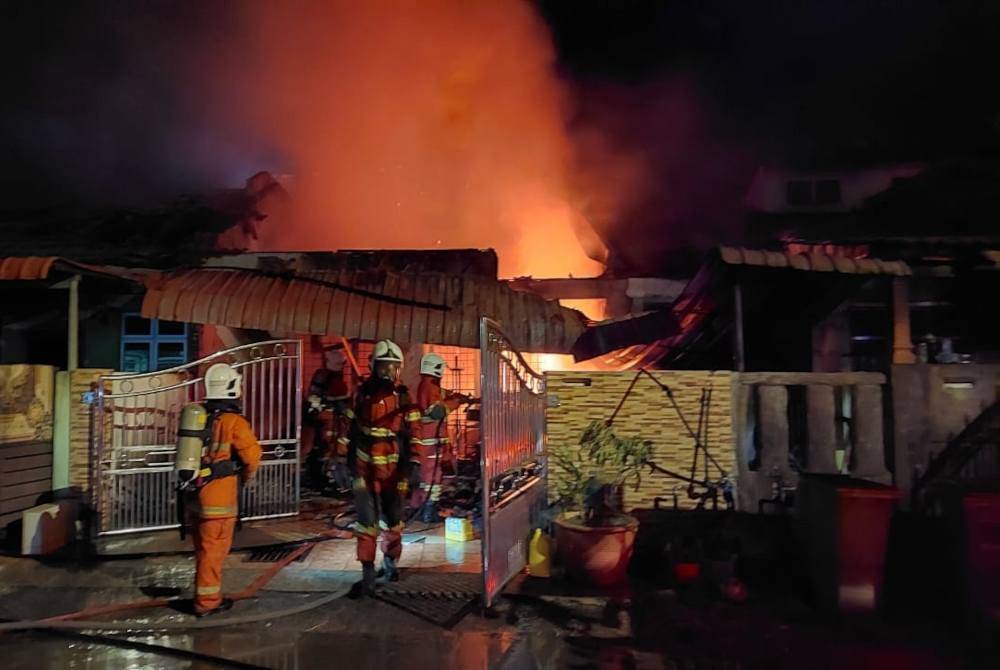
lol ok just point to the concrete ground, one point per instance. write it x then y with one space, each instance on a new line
541 624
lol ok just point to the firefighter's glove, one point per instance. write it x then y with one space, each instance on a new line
315 403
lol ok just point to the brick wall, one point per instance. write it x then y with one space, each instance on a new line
79 426
647 413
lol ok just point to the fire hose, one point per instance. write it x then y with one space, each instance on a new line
79 620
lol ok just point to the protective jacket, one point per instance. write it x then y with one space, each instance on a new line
232 440
384 422
433 438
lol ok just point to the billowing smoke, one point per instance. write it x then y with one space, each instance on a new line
412 125
680 181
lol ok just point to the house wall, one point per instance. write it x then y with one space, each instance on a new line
931 406
768 191
81 381
100 341
26 424
577 398
806 417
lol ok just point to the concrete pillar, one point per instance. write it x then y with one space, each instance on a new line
869 444
821 457
73 337
773 416
902 340
61 432
739 343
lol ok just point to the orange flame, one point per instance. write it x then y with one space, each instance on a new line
416 125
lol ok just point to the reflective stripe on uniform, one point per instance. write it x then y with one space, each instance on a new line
377 432
343 440
378 460
213 510
219 446
349 413
207 590
413 416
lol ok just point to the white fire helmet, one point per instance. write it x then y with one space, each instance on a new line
433 365
222 382
387 359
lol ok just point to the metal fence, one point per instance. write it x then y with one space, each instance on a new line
134 434
512 421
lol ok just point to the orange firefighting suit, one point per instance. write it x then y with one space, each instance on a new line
378 453
433 440
324 429
214 507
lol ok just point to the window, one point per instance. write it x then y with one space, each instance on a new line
799 192
828 192
151 344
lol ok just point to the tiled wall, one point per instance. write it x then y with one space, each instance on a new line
647 413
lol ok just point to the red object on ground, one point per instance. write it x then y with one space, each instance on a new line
982 532
600 555
685 573
734 590
845 523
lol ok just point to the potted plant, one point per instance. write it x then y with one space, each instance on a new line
594 537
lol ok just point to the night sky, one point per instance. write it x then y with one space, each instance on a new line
86 111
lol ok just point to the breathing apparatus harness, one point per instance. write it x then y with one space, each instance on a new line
189 483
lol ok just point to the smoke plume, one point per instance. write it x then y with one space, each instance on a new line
411 125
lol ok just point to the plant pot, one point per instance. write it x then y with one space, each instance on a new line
597 554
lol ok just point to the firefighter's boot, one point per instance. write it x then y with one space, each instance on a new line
366 587
389 570
368 577
429 512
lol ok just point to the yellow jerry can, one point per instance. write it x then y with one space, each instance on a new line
540 554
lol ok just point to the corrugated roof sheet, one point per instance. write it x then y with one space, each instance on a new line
435 308
478 262
813 262
35 268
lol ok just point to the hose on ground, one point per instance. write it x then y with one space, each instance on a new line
133 627
160 650
249 592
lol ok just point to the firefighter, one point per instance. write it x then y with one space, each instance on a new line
434 441
230 451
328 419
378 455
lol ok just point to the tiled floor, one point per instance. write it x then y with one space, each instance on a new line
421 550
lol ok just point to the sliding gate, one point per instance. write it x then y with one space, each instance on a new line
134 434
512 421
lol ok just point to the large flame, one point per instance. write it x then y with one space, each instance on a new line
416 125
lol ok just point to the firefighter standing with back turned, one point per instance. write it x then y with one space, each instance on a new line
216 446
378 454
434 404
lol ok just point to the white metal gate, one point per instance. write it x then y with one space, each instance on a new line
514 474
135 418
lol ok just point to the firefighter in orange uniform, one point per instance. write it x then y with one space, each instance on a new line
433 439
231 451
328 417
378 456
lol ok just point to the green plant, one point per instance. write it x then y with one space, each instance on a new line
599 463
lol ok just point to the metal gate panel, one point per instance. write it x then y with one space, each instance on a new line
135 431
514 473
